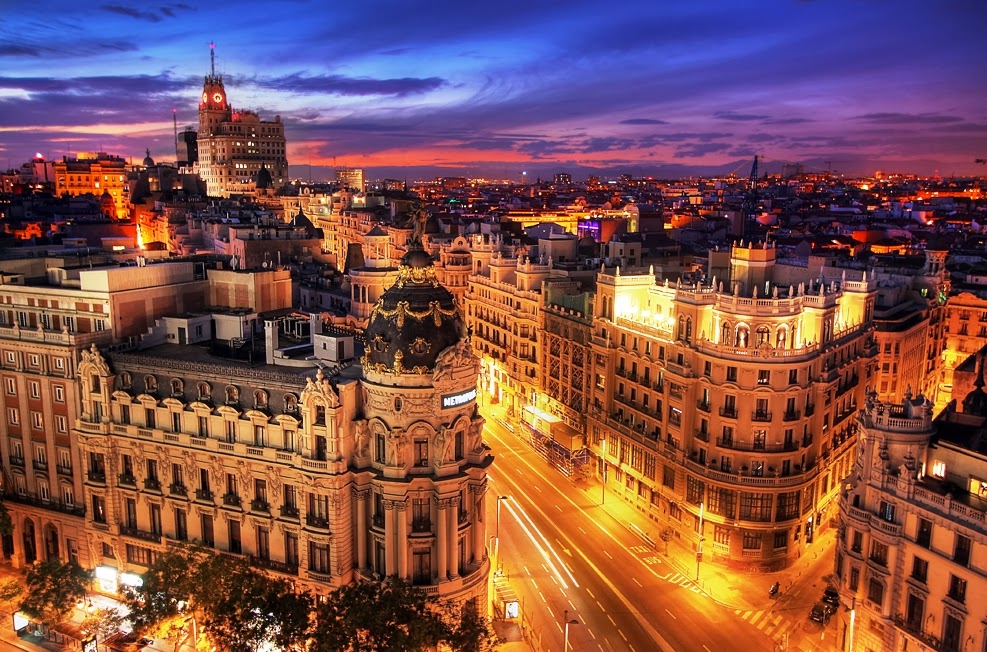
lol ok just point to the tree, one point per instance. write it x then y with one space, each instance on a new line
10 592
389 617
6 523
103 623
166 590
666 535
53 588
469 629
244 609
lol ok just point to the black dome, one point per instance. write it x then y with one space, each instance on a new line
976 401
413 321
263 180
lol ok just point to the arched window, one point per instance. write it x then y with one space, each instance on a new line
204 391
126 381
781 338
177 387
726 333
763 334
260 399
232 394
681 331
150 384
688 330
290 403
743 335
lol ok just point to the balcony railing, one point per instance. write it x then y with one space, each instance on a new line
730 412
421 525
791 415
136 533
97 476
64 470
703 405
153 484
277 566
915 629
203 494
260 505
39 466
55 506
760 415
178 490
17 460
232 500
127 479
289 511
317 521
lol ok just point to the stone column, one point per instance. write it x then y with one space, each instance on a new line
390 563
361 527
442 538
478 530
453 515
402 539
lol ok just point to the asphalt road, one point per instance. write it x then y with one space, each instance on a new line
562 552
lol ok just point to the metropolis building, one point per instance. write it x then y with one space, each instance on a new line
235 145
364 471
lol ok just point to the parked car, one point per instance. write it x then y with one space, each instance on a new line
832 597
820 613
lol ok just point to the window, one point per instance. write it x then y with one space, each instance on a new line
150 417
207 530
233 527
793 376
61 424
788 506
957 589
422 566
124 413
35 389
886 511
857 544
763 376
13 416
920 569
181 524
130 513
140 555
752 540
875 592
731 374
230 432
961 550
952 628
260 435
695 490
318 557
154 515
421 517
668 476
291 548
11 385
755 506
176 421
421 452
878 553
781 539
263 542
854 578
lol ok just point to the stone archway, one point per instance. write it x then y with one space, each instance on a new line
51 542
30 544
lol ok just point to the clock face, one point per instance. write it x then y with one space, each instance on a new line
205 97
217 97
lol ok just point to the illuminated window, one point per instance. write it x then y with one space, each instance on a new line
939 469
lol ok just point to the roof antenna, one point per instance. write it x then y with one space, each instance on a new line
212 58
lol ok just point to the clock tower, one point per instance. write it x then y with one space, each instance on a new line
235 145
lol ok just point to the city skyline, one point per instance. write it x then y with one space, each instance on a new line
529 87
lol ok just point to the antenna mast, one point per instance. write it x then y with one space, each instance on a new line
212 58
174 118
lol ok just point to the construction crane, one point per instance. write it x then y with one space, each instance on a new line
749 227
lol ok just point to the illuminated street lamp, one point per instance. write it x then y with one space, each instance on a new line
574 621
699 548
499 498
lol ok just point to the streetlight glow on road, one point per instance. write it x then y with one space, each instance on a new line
547 551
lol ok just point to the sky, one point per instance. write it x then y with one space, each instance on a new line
513 88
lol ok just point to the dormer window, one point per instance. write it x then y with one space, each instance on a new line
204 391
232 395
177 387
260 399
150 384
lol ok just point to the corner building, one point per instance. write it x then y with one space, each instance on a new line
375 471
722 408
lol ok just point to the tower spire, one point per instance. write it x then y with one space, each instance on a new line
212 58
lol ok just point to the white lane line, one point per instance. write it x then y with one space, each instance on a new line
706 648
608 554
591 594
534 582
542 596
670 614
591 633
581 529
612 621
558 508
572 605
538 489
525 567
600 606
622 635
636 582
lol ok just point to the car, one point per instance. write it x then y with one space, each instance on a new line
820 613
832 597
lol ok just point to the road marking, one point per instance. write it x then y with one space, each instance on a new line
558 508
621 632
542 596
612 622
601 607
525 567
651 561
572 605
636 582
581 529
608 554
591 633
591 594
538 489
670 614
639 549
706 648
534 582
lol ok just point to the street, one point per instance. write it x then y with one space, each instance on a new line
569 559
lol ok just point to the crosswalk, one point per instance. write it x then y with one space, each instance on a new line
770 622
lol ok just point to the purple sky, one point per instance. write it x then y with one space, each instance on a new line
496 88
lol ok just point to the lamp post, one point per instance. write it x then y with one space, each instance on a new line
499 498
574 621
699 548
603 495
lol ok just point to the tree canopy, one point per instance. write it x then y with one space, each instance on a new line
53 588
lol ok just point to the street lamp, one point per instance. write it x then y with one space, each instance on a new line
603 496
499 498
574 621
699 548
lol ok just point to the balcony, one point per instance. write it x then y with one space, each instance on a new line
703 406
421 525
40 466
914 630
319 522
289 511
203 494
135 533
729 411
260 505
97 476
791 415
17 460
232 500
54 506
701 435
127 480
152 484
178 490
277 566
64 470
760 415
378 520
